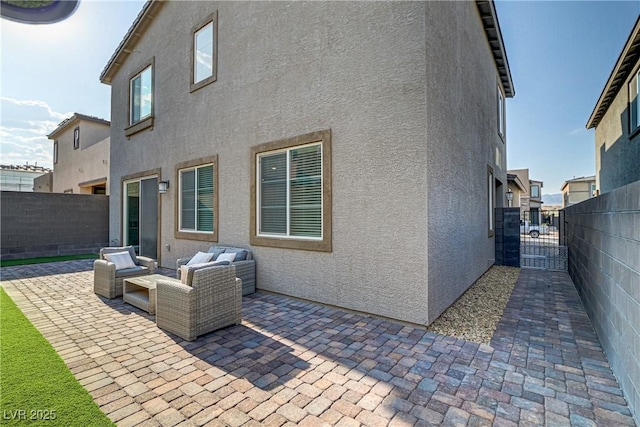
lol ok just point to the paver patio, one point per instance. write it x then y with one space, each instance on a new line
297 363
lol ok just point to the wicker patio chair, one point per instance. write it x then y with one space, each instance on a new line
107 281
211 299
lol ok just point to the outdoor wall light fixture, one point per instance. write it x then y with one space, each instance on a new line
509 196
163 186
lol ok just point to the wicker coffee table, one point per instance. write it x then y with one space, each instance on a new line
140 291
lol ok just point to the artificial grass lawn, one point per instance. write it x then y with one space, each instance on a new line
35 384
12 262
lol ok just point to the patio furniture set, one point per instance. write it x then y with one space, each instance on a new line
205 295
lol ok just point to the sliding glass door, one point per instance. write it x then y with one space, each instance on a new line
140 216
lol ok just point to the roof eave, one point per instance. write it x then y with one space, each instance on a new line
72 120
489 18
142 22
629 55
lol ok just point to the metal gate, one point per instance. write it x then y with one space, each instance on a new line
542 242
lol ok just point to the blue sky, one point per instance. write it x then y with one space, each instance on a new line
560 54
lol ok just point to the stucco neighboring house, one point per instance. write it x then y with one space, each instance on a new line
334 139
517 189
81 146
530 199
578 190
20 177
43 183
616 119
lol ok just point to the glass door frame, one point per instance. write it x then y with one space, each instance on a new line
139 177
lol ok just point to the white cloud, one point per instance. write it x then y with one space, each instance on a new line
24 127
37 103
577 131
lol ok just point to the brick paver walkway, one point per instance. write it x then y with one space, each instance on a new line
299 363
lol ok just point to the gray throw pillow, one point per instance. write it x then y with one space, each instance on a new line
216 251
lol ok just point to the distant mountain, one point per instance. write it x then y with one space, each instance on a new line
552 199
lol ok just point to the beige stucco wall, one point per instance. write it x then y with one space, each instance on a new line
365 71
617 155
578 191
43 183
88 163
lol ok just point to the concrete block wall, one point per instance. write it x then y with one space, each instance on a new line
603 236
50 224
507 236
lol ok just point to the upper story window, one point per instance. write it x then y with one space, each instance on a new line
501 114
197 199
535 191
204 52
634 103
76 138
141 99
55 151
291 195
141 95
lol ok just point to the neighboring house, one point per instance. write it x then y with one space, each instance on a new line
517 189
20 178
81 155
530 199
578 190
332 138
43 183
616 119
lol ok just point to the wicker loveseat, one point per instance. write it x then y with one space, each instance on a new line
245 267
107 281
210 299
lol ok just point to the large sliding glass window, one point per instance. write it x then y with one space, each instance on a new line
140 216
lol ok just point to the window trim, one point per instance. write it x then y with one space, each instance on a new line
76 138
501 114
211 19
205 236
323 244
55 152
634 131
531 191
491 203
146 122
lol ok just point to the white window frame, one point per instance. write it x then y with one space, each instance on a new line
76 138
210 20
195 168
55 152
288 206
131 95
502 126
531 191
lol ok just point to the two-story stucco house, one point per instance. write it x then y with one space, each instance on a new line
529 198
578 190
358 148
81 155
616 119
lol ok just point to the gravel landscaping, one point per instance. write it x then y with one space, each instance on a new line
475 315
